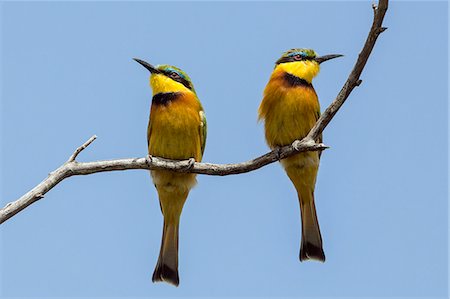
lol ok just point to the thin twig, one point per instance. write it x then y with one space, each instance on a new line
71 167
353 79
81 148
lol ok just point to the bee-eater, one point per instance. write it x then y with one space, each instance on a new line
176 130
290 108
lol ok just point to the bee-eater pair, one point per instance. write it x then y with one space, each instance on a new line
177 130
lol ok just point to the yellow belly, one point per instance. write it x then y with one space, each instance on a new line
174 133
289 113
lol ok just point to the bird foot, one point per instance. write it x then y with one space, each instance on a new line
190 163
296 145
148 160
277 151
299 145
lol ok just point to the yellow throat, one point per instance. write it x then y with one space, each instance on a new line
306 70
162 84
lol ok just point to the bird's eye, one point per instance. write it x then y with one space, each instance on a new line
298 57
174 75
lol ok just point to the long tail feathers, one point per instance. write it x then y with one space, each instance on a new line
167 267
311 244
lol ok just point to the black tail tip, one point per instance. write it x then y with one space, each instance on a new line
309 251
163 273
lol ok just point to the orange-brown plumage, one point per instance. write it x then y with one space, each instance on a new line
290 108
289 112
176 130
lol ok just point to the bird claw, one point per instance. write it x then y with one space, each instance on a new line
299 145
296 145
191 163
277 151
148 159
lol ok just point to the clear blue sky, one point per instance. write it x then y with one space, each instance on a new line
381 194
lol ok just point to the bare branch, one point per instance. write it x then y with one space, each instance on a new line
353 79
72 167
81 148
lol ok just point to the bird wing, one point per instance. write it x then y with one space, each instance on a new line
320 138
202 130
149 132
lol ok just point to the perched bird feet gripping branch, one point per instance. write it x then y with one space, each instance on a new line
148 160
296 145
277 151
190 164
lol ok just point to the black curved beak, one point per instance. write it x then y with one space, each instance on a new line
327 57
147 65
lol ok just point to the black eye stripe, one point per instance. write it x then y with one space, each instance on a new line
178 78
292 59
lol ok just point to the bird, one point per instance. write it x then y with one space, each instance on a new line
176 130
289 109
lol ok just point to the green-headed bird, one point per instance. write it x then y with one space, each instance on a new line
290 108
176 130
